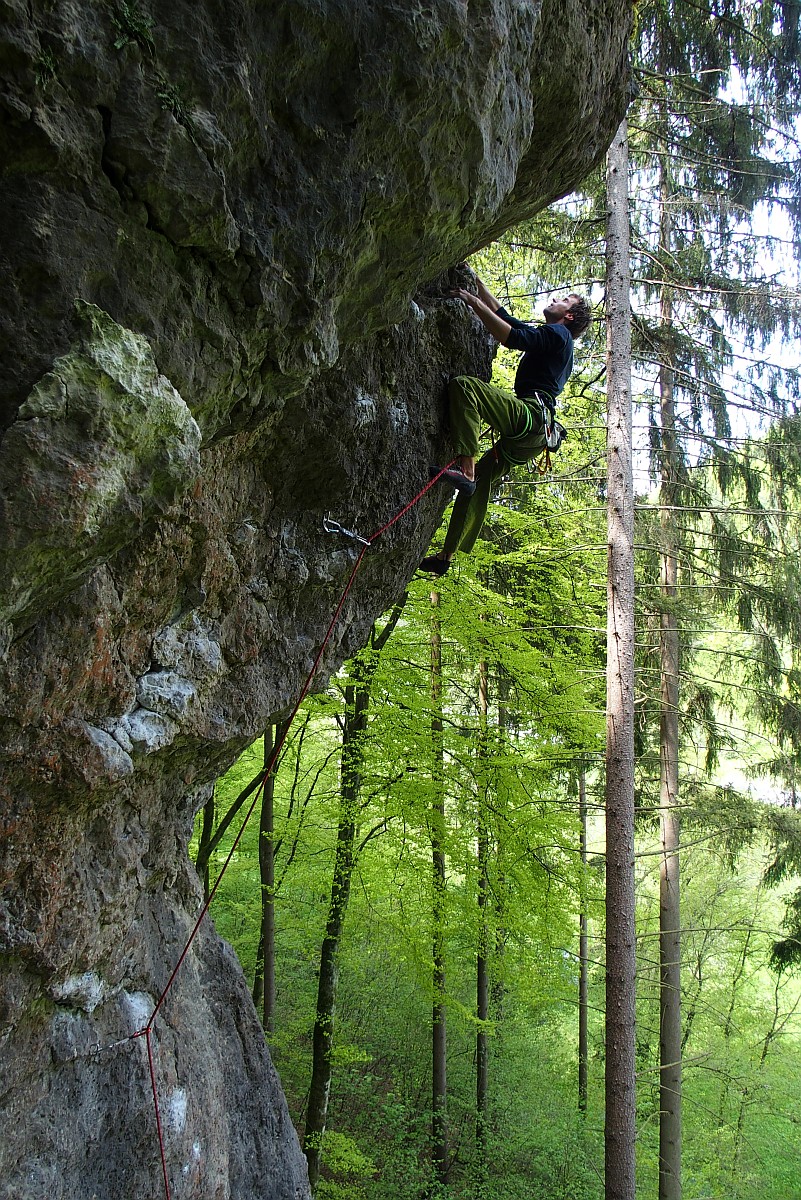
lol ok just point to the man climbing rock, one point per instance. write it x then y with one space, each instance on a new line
523 421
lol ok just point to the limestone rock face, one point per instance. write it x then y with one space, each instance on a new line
223 314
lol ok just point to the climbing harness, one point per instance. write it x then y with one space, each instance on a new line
329 526
555 434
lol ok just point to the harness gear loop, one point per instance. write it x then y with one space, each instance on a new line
543 463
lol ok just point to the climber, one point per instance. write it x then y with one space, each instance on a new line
524 421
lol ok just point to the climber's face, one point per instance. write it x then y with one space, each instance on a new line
556 310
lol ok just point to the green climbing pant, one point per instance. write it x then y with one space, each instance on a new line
520 425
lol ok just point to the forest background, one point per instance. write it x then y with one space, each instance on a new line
420 901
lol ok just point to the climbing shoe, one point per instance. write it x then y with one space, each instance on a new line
434 565
455 479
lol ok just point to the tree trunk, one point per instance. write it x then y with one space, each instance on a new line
619 1134
208 844
669 907
728 1023
264 982
356 704
439 1043
354 729
669 916
497 985
482 956
203 852
583 1057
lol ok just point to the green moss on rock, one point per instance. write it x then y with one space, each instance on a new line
102 444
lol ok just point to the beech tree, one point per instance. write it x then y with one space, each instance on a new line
483 941
354 729
439 1020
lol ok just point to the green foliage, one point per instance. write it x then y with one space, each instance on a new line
175 99
786 951
540 1148
346 1168
45 67
133 25
527 610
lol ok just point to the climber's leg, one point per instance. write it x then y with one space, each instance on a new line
473 404
467 516
469 512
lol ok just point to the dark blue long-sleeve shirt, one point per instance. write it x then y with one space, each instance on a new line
547 361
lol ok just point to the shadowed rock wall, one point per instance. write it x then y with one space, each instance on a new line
215 216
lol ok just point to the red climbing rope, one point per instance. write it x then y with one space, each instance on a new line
146 1031
163 1152
265 776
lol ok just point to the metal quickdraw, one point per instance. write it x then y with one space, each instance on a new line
331 526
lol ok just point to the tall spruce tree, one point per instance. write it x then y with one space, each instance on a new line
620 935
712 163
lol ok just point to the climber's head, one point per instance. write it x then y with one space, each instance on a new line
572 311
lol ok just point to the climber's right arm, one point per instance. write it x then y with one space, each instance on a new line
496 325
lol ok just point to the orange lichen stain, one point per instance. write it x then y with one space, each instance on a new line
95 674
83 477
101 666
9 827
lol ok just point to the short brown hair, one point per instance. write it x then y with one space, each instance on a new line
582 315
